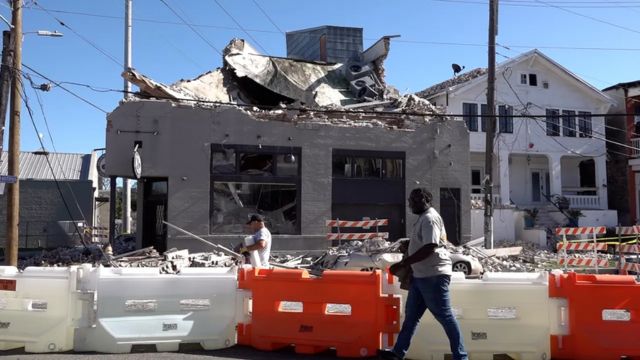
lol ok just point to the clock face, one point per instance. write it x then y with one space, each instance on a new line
137 165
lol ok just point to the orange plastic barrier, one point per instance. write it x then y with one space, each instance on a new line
603 315
344 310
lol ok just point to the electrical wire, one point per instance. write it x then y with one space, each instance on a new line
84 38
241 27
406 41
267 16
191 27
65 89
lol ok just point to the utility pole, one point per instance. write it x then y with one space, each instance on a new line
13 193
5 81
126 184
490 120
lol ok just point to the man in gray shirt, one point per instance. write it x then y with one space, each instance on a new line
261 239
431 265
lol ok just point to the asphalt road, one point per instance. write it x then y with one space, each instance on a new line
236 352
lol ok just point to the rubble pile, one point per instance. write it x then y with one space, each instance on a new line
530 259
63 256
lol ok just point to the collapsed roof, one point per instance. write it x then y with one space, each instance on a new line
250 78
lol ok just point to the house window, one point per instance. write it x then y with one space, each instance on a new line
252 179
476 180
533 80
484 110
637 119
505 114
523 79
553 122
584 124
367 167
568 123
470 112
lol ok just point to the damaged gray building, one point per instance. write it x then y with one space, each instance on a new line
300 141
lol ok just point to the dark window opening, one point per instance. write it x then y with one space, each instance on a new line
533 80
584 124
256 164
505 114
365 167
553 122
484 110
569 123
223 162
587 177
470 112
476 181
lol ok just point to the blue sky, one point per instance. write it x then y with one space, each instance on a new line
598 40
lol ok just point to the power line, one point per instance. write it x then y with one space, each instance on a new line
406 41
85 39
532 4
191 27
65 89
268 17
589 17
240 26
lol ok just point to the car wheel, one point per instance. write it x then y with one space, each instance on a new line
463 267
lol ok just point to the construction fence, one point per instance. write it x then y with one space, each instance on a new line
110 310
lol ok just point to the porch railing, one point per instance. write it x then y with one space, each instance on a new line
635 143
583 201
479 199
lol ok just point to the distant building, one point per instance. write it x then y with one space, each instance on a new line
624 154
559 153
334 44
45 220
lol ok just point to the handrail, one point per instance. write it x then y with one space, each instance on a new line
550 199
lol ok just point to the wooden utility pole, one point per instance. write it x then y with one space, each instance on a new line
490 121
13 193
5 82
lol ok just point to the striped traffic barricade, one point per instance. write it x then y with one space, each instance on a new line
361 224
632 249
594 247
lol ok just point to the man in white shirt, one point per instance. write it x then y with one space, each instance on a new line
261 239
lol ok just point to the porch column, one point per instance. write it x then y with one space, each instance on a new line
505 190
555 174
601 179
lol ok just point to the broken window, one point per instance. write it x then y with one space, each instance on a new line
505 114
367 167
393 168
234 202
568 123
470 112
584 124
256 164
254 179
553 122
533 80
223 162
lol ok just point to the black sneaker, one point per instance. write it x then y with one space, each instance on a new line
388 355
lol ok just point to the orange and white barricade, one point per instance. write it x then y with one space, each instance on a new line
594 247
362 224
631 249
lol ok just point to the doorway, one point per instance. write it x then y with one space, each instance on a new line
154 212
540 185
450 212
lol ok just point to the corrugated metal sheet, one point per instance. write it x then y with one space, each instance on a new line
33 165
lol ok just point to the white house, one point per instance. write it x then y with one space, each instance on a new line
561 152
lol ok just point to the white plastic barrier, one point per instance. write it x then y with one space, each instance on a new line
502 313
140 306
38 308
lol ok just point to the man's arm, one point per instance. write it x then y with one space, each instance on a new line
422 253
260 244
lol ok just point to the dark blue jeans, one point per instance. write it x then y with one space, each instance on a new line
430 293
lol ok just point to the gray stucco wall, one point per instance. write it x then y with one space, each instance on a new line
44 220
176 143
